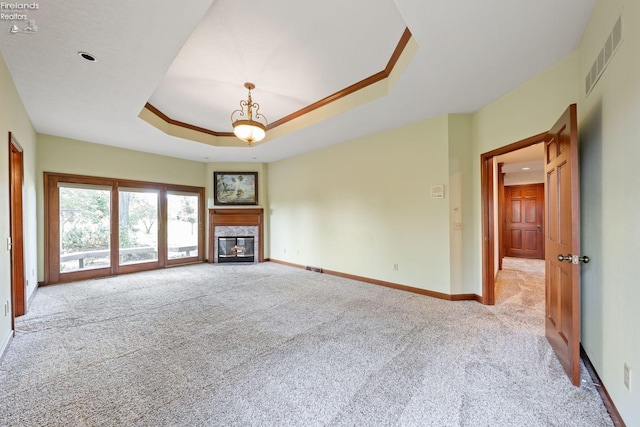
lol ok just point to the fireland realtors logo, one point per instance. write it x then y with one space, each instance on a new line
18 14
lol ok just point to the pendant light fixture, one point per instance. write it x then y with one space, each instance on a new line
253 128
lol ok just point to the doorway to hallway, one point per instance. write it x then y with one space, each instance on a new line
519 163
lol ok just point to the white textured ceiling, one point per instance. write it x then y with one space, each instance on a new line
190 60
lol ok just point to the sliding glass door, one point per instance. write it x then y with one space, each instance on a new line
182 225
138 225
97 227
85 227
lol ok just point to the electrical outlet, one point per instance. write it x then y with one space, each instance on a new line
395 267
457 226
284 250
6 308
627 376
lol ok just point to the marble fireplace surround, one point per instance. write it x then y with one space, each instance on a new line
226 222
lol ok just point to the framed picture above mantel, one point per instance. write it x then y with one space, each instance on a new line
235 188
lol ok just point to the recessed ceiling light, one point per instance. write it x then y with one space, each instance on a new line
526 169
87 56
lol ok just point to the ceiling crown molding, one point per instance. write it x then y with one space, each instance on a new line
362 92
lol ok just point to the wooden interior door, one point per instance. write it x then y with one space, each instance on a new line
562 243
523 219
16 183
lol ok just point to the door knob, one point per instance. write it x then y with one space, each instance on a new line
575 259
539 226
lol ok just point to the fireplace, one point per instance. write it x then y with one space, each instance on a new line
242 222
236 249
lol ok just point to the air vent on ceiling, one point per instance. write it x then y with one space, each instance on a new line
604 57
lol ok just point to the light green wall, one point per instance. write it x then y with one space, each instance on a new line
460 202
528 110
609 157
302 201
63 155
363 206
14 119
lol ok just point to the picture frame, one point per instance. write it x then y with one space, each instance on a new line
235 188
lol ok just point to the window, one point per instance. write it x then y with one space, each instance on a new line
98 227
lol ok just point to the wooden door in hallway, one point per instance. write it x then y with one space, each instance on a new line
16 183
523 219
562 243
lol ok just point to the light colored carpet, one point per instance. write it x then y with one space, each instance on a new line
269 345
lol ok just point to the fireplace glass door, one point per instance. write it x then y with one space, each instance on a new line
236 249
